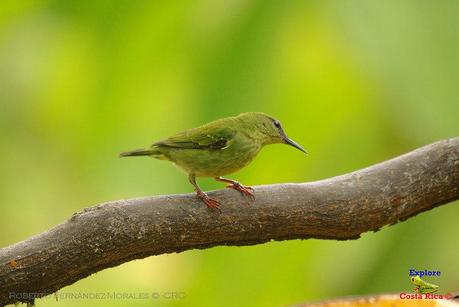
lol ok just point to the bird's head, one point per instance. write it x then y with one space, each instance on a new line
268 129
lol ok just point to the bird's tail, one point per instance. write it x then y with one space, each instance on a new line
139 152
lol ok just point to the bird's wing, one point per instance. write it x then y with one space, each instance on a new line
199 138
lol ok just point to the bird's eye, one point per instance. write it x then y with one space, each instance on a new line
277 124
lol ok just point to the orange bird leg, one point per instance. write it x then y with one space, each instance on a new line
210 202
247 191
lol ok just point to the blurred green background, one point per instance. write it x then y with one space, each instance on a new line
354 82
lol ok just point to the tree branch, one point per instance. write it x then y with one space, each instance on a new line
339 208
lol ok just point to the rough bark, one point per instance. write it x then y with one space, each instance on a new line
338 208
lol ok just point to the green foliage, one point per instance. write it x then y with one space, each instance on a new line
354 82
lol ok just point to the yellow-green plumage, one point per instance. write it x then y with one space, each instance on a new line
220 147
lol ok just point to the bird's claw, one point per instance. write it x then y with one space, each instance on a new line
244 190
210 202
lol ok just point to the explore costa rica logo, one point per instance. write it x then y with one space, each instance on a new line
424 289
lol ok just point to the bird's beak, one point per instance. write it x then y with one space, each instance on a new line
291 142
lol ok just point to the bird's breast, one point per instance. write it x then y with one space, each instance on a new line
219 162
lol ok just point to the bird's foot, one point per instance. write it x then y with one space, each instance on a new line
245 190
210 202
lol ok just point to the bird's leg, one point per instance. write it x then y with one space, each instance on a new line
210 202
248 191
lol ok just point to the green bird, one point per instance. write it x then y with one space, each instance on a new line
218 148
